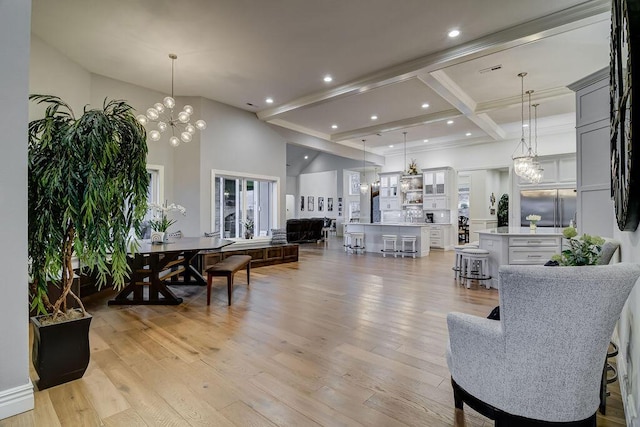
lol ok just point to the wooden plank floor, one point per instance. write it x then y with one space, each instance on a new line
335 339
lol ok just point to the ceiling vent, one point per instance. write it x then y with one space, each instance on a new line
490 69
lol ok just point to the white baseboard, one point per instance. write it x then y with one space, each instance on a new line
16 400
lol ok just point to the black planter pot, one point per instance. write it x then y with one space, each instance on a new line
60 351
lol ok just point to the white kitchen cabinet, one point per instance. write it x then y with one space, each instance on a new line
435 182
433 203
390 196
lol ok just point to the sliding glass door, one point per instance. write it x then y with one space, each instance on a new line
241 199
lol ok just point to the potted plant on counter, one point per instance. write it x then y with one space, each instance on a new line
87 188
248 228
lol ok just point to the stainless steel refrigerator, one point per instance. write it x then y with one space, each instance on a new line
556 207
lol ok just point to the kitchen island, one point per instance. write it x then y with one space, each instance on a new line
373 235
519 246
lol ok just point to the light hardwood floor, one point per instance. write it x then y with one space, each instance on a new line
335 339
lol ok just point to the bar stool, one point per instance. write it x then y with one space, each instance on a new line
346 241
475 265
391 239
410 240
457 267
357 242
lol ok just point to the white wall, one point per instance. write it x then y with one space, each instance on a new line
16 391
318 184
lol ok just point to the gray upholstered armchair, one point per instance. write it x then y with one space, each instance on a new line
543 360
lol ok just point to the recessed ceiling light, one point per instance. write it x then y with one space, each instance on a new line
374 117
334 126
425 105
306 157
454 33
269 100
425 140
526 125
327 79
468 134
391 146
449 122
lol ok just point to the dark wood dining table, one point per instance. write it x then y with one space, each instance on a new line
154 265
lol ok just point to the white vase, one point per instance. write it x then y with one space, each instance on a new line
157 237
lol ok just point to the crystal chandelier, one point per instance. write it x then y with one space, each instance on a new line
375 185
163 115
523 162
534 175
364 187
404 183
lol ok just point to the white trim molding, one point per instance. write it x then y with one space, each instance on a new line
16 400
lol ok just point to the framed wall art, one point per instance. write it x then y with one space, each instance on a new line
310 203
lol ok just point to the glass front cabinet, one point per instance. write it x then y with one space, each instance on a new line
389 192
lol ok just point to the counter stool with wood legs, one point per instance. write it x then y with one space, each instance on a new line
357 242
392 240
411 250
475 265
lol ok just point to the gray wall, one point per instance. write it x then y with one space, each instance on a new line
235 140
16 391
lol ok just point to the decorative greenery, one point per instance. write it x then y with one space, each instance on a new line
413 167
584 250
248 225
503 211
162 223
87 187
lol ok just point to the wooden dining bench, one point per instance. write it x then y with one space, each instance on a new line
227 268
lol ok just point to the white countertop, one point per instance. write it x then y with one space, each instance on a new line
523 231
393 224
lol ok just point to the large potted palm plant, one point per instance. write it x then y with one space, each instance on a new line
87 188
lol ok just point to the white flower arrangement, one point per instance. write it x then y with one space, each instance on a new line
533 218
160 221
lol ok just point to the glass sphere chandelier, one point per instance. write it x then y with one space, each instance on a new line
165 118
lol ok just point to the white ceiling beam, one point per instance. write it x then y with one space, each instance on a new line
515 101
444 86
491 128
396 125
299 138
575 17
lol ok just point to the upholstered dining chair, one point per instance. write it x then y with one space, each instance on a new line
541 363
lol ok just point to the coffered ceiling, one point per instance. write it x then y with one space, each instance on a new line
387 58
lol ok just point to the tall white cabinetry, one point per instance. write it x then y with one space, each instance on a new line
390 196
594 204
439 198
